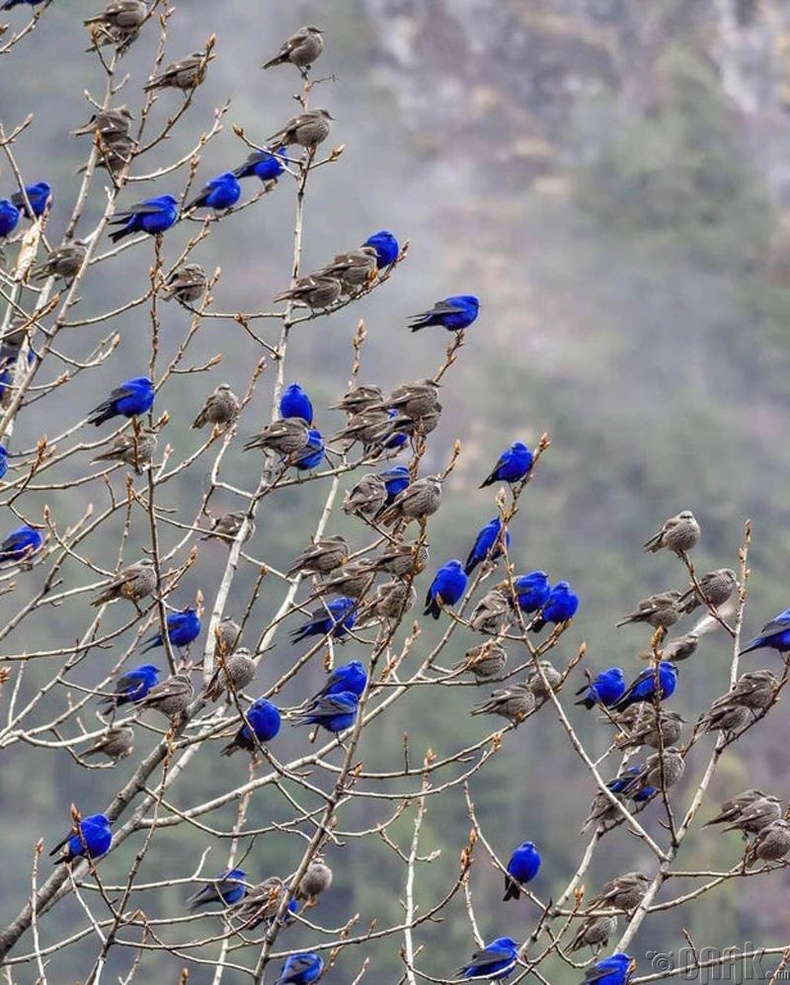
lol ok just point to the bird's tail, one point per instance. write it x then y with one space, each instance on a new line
119 234
754 644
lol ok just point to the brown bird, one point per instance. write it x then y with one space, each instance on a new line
134 583
301 49
221 408
185 74
679 534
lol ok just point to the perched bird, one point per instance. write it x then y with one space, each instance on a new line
135 448
219 193
110 122
488 544
183 628
665 768
659 611
680 648
448 586
614 970
771 844
386 247
335 618
263 724
20 544
261 903
321 557
491 614
594 932
152 216
307 130
226 887
233 674
454 313
131 398
3 461
313 453
607 688
186 73
227 527
315 882
221 408
115 153
732 809
348 677
186 284
119 23
714 589
117 743
286 437
15 3
418 501
559 607
522 868
91 839
9 217
756 690
294 402
661 679
757 815
401 560
390 601
513 465
354 270
536 683
495 961
532 590
396 480
263 164
132 687
416 399
774 635
353 579
315 292
515 703
724 716
135 582
171 698
358 398
301 969
301 49
366 426
334 712
367 498
38 195
226 636
64 262
679 534
624 892
641 727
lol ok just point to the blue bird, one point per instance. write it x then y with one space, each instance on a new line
264 719
532 590
396 480
313 453
295 403
487 545
560 606
348 677
454 314
448 586
20 544
334 712
131 398
513 465
132 686
3 461
92 839
182 629
262 164
15 3
644 687
9 217
39 196
607 689
386 247
153 216
495 961
614 970
775 635
301 969
396 439
522 868
334 619
227 888
219 193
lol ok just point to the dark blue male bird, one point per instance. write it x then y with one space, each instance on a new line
775 635
614 970
39 196
219 193
130 399
262 164
295 403
334 712
532 590
487 545
522 868
348 677
92 839
513 465
560 606
3 461
448 586
301 969
9 217
665 675
496 960
15 3
607 688
396 480
132 686
313 453
153 216
20 544
454 314
334 619
182 629
226 888
386 247
264 719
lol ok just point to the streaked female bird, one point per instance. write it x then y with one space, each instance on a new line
153 216
522 868
448 586
222 407
678 534
130 399
185 74
186 283
513 465
307 130
301 49
495 961
455 314
135 582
